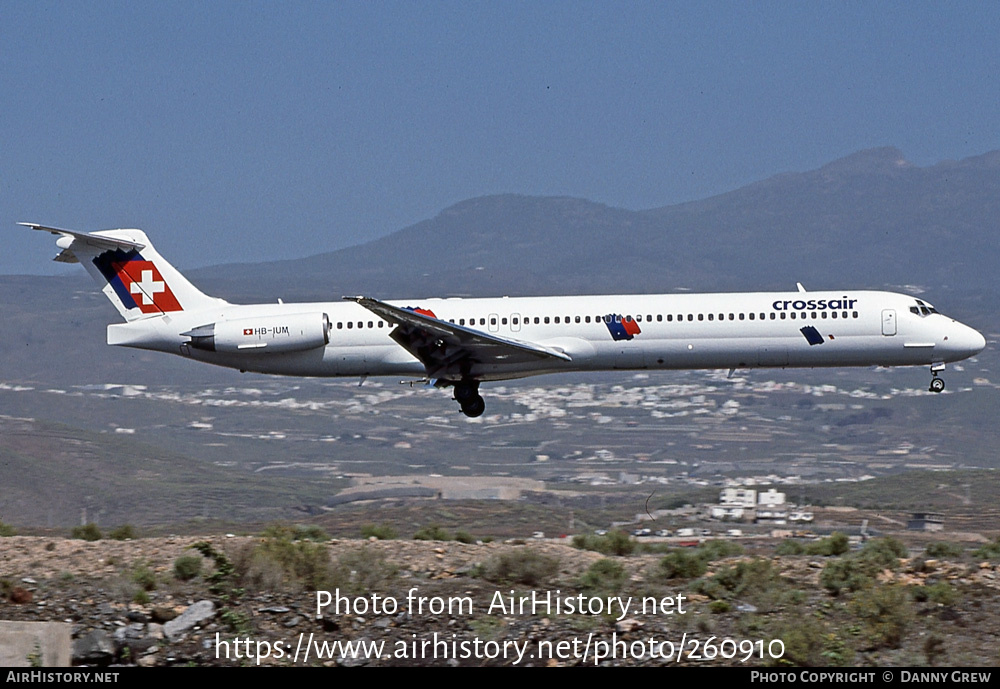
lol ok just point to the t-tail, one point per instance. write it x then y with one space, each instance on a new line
131 273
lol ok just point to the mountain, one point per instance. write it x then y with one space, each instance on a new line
868 220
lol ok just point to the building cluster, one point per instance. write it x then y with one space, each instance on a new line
757 507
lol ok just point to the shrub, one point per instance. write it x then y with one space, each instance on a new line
885 614
279 561
122 533
463 536
382 532
87 532
187 567
361 571
143 576
940 592
990 551
520 566
7 530
296 532
615 542
835 544
431 532
604 575
940 550
883 553
789 547
845 573
681 564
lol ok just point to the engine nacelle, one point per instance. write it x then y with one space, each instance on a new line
264 334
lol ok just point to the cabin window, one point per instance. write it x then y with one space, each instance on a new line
556 320
751 316
371 324
493 321
833 314
546 320
340 326
741 316
577 319
503 321
855 313
690 317
381 324
350 324
513 321
823 314
659 317
711 316
793 315
701 316
587 319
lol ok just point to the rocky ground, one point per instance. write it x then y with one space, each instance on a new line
448 603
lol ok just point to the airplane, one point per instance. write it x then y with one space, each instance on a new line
461 343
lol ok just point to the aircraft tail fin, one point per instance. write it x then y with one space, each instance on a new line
131 273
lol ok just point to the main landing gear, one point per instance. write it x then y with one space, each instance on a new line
937 384
467 395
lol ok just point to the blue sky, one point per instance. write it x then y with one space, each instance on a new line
245 131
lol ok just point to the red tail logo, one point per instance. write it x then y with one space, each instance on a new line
143 282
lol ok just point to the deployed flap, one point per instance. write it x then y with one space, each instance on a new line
449 350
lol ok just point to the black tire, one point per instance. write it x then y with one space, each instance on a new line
474 407
466 392
937 384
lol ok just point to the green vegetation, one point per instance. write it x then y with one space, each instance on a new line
382 532
87 532
519 566
835 544
941 550
885 614
683 563
941 593
187 567
296 532
990 551
615 542
756 581
361 571
7 530
604 576
143 576
463 536
431 532
857 572
124 532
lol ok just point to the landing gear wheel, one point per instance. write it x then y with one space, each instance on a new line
474 407
937 384
466 391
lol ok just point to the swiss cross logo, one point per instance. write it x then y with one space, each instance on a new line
143 282
248 331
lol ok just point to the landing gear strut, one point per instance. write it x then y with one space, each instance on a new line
467 395
937 384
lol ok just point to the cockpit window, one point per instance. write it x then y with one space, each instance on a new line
922 309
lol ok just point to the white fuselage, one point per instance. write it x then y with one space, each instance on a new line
675 331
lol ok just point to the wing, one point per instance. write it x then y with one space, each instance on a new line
451 351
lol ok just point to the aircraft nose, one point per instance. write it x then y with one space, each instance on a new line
968 341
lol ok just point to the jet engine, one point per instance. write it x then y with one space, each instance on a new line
263 334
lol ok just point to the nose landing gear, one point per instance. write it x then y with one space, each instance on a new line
937 384
468 397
